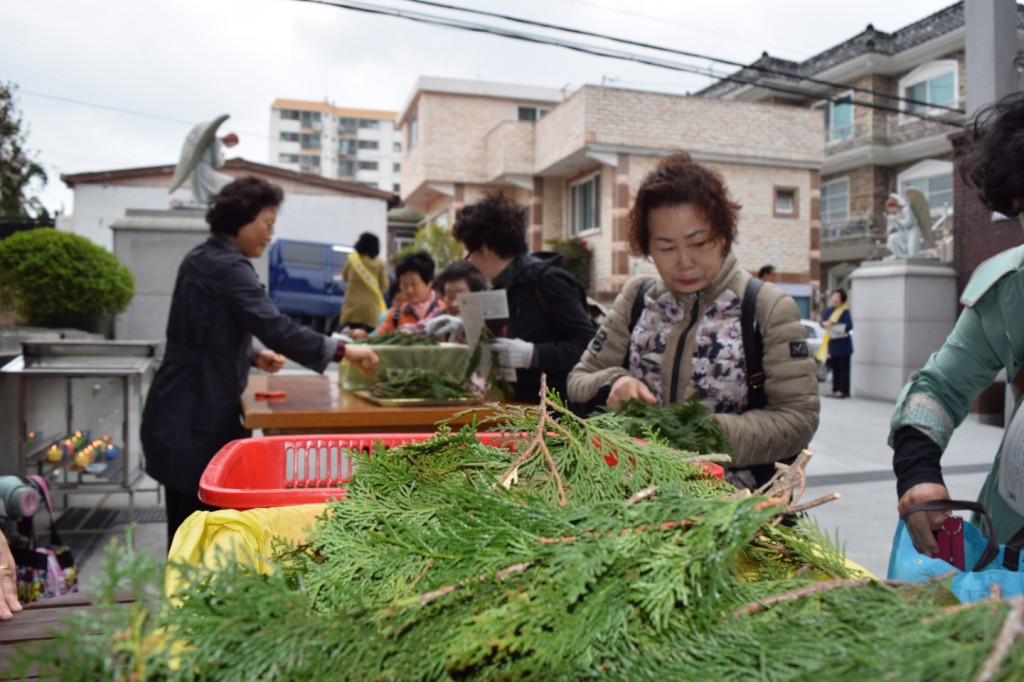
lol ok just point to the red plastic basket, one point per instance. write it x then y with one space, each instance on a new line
278 471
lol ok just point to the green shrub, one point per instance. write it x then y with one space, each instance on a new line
59 279
576 258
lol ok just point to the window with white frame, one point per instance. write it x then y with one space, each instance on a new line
527 113
585 204
835 204
934 83
838 117
289 115
785 204
935 180
368 165
289 137
369 144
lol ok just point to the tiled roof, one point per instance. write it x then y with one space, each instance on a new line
870 40
122 174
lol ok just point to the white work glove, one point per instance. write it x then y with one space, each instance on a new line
514 353
443 325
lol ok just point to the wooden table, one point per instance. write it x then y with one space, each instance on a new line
39 619
316 404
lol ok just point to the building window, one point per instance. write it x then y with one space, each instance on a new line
287 158
309 163
371 123
835 204
531 113
369 144
346 168
310 120
838 117
371 185
412 132
289 137
289 115
934 179
347 146
396 168
394 188
310 141
585 205
930 84
347 125
397 147
785 205
368 165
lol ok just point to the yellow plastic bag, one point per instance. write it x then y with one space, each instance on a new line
212 538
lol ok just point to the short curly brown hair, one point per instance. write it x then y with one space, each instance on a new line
992 163
497 222
239 202
678 179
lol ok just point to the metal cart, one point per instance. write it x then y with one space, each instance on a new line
89 386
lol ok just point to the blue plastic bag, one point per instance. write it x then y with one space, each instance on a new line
991 564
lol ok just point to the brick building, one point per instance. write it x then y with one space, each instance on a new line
575 161
872 151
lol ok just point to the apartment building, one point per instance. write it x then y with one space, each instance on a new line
353 145
575 160
889 103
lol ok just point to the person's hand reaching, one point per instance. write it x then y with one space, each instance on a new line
9 603
362 357
514 353
923 524
269 361
443 325
629 387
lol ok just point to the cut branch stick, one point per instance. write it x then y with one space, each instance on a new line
544 422
824 499
1013 625
800 593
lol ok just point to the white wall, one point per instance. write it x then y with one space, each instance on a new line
97 206
318 218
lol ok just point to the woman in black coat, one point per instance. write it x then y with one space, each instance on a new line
194 405
549 326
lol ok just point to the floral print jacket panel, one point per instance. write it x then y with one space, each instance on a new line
694 344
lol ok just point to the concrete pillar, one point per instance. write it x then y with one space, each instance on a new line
903 310
990 51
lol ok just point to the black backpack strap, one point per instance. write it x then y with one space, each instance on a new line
753 346
635 312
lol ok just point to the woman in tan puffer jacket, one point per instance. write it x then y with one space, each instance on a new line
688 337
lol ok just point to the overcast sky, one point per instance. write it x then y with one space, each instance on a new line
108 84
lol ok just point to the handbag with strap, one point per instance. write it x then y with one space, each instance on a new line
981 562
44 571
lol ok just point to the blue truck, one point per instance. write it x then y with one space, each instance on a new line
306 283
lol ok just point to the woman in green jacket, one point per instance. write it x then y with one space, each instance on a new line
988 337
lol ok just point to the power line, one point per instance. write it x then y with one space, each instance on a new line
613 54
119 110
684 53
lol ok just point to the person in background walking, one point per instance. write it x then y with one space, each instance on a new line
838 323
366 280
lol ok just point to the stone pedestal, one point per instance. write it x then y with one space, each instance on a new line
903 310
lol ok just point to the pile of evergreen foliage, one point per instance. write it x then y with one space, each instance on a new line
540 559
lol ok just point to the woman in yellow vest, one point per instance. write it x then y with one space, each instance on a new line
838 324
366 280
